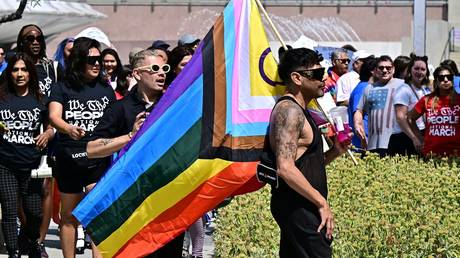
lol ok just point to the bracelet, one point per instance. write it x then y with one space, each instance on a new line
130 135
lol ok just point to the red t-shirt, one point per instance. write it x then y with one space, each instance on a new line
442 132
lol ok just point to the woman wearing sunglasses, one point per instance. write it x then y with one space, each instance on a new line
23 112
31 41
442 111
76 106
404 99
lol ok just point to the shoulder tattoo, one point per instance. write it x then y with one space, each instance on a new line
287 123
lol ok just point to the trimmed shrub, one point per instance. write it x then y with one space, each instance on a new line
390 207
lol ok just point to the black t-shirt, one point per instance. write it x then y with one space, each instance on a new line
83 107
119 118
46 75
23 116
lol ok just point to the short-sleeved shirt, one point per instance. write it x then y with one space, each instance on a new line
457 84
346 84
331 83
119 118
23 116
405 95
377 102
353 102
442 133
82 107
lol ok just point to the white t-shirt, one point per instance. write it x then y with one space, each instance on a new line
346 84
377 102
406 96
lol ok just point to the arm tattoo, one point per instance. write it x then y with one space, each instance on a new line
106 141
287 123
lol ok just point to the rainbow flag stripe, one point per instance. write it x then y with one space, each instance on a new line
200 144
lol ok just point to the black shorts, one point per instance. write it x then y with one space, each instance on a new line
72 178
298 227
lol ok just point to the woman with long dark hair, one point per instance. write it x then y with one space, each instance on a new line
178 58
442 111
23 112
76 106
112 69
416 86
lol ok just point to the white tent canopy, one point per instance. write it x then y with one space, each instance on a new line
97 34
52 16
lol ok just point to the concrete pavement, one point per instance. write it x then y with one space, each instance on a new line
54 251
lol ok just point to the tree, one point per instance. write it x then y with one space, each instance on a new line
16 15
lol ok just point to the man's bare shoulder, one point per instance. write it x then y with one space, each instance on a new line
287 108
286 125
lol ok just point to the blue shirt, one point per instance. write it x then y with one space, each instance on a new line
3 66
355 96
457 84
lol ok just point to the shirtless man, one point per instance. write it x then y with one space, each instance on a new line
299 204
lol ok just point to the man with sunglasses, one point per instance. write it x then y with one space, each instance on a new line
3 63
299 202
123 119
376 102
340 61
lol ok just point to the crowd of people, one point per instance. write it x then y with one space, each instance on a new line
85 105
77 109
396 107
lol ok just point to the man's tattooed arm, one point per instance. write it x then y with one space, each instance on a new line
104 142
286 125
104 147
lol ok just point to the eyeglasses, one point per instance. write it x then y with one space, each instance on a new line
155 68
443 77
32 38
315 74
381 68
91 60
344 60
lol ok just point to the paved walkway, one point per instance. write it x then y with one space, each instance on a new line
54 251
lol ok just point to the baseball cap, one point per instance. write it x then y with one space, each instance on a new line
187 39
359 55
160 44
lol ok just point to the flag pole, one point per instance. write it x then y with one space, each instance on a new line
278 35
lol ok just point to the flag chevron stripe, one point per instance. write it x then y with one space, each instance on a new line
229 49
162 172
208 93
219 103
163 133
200 199
162 199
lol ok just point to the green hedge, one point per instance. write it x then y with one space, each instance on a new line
391 207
